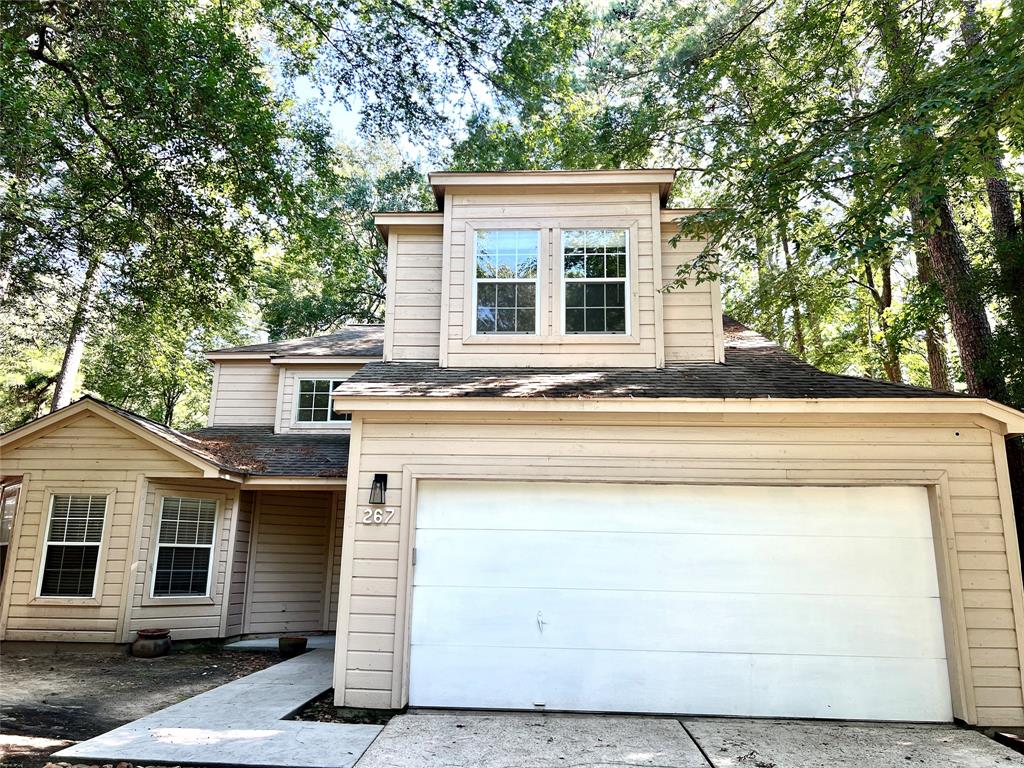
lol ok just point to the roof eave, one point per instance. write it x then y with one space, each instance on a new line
1012 420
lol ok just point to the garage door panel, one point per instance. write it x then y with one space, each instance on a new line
743 510
769 601
654 561
662 621
683 683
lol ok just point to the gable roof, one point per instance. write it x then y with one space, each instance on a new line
754 368
358 341
243 451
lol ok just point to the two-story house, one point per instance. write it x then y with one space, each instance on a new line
546 483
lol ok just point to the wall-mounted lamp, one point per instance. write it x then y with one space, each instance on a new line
379 488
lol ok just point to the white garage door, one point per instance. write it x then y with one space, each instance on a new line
771 601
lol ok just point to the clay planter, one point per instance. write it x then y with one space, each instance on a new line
289 647
151 643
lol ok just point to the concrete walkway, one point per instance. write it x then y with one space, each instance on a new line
239 724
501 740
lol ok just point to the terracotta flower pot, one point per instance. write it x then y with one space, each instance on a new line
290 647
151 643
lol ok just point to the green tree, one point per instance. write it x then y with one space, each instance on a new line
332 269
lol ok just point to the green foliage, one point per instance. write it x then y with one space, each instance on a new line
331 269
791 121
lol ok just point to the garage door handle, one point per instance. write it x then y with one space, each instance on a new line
540 621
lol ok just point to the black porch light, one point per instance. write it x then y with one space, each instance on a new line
378 488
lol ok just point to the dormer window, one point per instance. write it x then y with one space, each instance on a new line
505 283
314 402
595 268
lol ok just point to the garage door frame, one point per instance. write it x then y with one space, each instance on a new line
936 483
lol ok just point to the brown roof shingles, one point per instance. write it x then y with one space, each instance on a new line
351 341
754 368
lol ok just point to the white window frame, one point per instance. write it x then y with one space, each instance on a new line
6 491
47 543
536 281
332 384
627 284
156 550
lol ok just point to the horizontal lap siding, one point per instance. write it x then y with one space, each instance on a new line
290 385
86 455
750 451
336 539
545 209
689 310
245 394
413 322
289 562
191 619
239 564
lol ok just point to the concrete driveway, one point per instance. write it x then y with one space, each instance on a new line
597 741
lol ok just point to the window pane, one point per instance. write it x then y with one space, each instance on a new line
526 296
76 518
485 320
506 320
574 295
187 521
69 571
181 572
616 319
341 416
594 320
615 294
574 320
507 254
500 307
306 399
306 385
595 295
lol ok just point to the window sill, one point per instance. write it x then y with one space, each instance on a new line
566 340
149 602
91 602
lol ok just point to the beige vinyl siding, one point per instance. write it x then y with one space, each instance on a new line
290 377
337 535
290 554
951 452
690 313
83 455
244 392
412 325
550 211
188 618
239 564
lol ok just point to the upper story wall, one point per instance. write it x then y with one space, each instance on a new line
434 291
263 393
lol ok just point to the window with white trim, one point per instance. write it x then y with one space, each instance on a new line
595 280
8 504
314 401
184 547
505 280
72 551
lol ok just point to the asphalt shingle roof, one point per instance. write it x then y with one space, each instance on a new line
253 450
351 341
262 452
754 368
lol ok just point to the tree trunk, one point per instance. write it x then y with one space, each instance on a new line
935 333
883 301
75 347
952 269
934 222
794 300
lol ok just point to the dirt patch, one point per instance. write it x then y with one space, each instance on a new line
322 710
68 697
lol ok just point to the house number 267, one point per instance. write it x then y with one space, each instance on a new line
377 516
